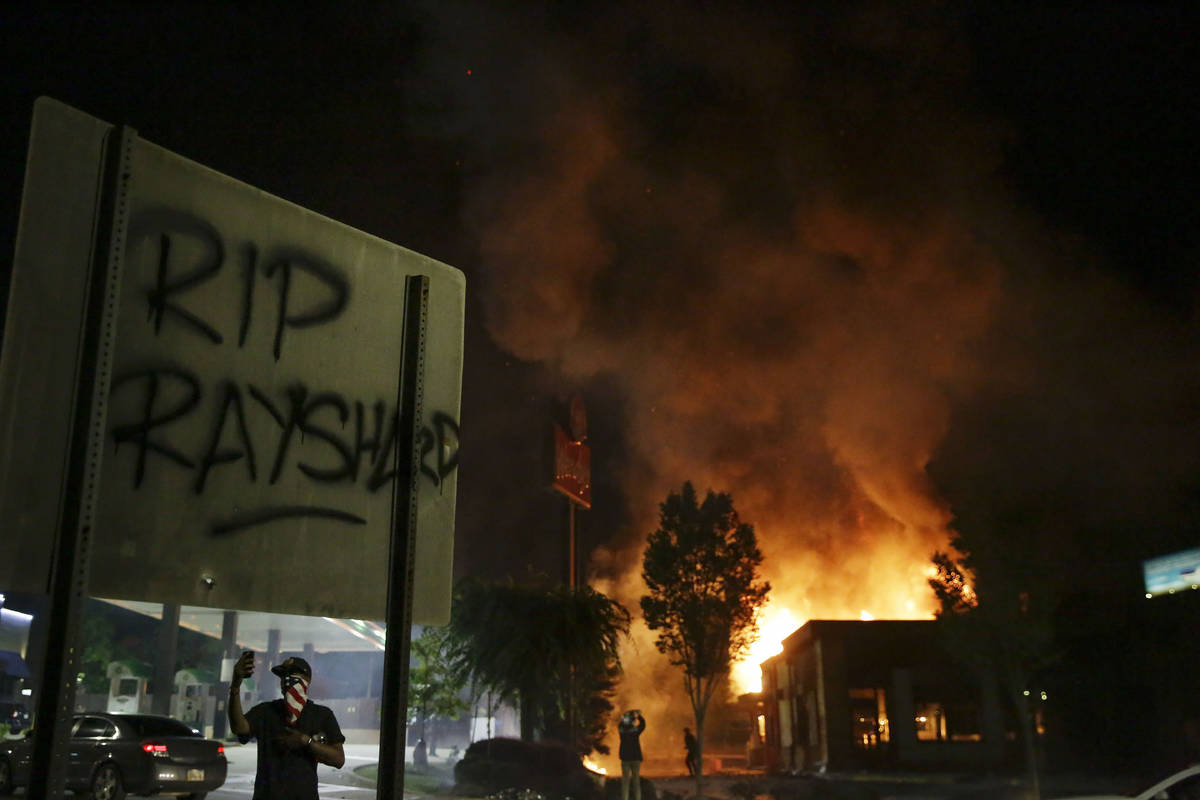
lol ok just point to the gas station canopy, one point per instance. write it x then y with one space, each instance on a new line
325 634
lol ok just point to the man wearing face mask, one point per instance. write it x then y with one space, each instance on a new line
293 732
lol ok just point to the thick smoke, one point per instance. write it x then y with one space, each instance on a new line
769 235
789 241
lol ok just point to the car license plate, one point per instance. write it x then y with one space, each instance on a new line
195 774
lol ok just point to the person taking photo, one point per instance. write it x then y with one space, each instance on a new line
294 734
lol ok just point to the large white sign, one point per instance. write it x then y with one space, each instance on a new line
251 417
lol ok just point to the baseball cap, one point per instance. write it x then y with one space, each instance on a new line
293 666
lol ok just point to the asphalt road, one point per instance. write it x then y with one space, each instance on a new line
878 786
333 784
344 784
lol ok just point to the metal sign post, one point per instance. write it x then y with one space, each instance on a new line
70 560
394 700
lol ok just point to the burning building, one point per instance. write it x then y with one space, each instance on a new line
882 693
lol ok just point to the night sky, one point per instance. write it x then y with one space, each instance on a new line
859 264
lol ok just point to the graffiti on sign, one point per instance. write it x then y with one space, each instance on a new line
254 430
249 352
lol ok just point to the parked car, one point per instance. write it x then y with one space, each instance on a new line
115 754
1183 785
14 716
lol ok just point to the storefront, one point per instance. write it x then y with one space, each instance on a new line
883 693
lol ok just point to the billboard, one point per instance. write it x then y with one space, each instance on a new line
252 351
1173 573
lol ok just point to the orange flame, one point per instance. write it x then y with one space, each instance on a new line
775 625
895 594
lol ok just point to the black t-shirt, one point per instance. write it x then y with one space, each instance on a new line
285 774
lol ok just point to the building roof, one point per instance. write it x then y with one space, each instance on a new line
914 639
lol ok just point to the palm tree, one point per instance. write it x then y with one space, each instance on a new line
554 652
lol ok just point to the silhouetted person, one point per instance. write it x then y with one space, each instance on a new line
629 729
420 755
293 732
693 751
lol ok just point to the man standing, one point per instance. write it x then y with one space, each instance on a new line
630 752
693 750
293 732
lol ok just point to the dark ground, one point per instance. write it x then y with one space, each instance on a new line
880 787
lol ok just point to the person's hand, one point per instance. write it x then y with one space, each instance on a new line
293 739
243 668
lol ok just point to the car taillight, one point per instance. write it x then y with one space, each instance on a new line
155 749
220 749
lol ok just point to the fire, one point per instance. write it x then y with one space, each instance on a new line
903 594
593 766
775 624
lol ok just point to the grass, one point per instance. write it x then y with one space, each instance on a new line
417 780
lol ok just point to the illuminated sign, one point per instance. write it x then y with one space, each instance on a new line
1173 573
572 468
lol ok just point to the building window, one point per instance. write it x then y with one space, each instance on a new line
930 722
868 718
948 722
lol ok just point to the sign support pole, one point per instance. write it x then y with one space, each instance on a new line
394 698
571 569
70 561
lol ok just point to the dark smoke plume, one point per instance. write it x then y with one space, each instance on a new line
789 238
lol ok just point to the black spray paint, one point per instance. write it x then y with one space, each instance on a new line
353 438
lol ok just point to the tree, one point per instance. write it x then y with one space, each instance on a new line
1001 626
701 569
97 649
1020 543
548 650
434 685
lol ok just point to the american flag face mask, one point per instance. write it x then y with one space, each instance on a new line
295 695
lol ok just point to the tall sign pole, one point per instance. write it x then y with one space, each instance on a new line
572 565
70 559
394 699
573 479
573 474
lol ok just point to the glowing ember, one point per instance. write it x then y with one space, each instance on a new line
594 767
775 624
